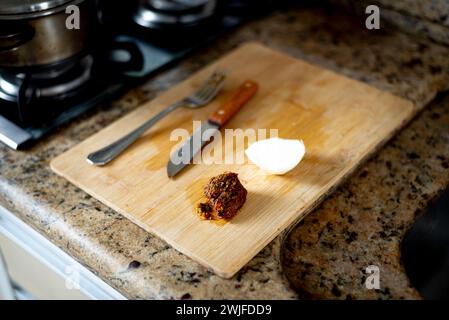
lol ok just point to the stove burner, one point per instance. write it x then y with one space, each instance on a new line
160 14
56 82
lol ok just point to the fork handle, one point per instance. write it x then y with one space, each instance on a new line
110 152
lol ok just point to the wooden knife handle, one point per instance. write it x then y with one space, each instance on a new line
243 94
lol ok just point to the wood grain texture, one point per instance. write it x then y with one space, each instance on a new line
238 99
340 120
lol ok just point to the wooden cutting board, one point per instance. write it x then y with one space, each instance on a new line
340 120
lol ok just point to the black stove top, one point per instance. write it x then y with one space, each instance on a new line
34 103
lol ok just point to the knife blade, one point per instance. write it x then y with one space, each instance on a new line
200 137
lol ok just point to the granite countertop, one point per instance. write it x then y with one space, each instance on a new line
427 19
325 255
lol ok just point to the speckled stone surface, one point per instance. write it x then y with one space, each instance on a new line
432 10
428 19
436 11
363 222
142 266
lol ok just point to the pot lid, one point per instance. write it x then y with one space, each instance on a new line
16 7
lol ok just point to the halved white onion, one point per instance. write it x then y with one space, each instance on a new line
276 155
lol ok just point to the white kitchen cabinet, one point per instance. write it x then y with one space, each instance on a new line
41 269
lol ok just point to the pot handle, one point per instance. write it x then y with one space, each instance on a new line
13 36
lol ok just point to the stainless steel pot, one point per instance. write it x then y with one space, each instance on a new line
33 33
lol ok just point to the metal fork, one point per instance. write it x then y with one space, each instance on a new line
200 98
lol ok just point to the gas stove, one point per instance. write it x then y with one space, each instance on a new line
35 101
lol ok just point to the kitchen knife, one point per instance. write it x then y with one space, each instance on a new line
185 154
